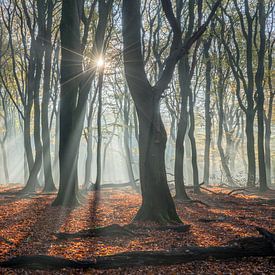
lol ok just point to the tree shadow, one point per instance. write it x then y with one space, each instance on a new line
33 231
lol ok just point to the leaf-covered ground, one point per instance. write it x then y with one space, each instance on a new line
27 227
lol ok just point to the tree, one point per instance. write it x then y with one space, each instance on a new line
157 203
75 87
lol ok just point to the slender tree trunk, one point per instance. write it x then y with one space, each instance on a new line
183 70
5 162
33 177
259 77
207 113
261 153
267 143
191 135
27 135
47 164
56 145
249 130
243 145
99 134
220 132
126 138
88 163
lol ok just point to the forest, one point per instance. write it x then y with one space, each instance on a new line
137 137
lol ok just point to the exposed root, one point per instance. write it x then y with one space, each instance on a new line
246 247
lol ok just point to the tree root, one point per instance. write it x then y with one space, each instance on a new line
265 202
177 228
192 201
245 247
236 190
267 235
219 219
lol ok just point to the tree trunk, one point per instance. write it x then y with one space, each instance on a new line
220 131
47 164
27 135
33 177
126 109
5 162
207 114
249 130
70 72
183 70
157 203
99 133
88 163
191 135
267 152
259 77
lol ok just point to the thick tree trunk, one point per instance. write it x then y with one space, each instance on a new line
70 72
157 203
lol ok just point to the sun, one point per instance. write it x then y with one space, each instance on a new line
100 62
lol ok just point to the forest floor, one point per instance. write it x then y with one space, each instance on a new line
27 227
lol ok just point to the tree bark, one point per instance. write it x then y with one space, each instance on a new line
70 77
259 77
157 203
207 114
47 164
99 133
183 70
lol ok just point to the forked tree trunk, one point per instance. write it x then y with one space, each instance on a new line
70 68
157 203
33 176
